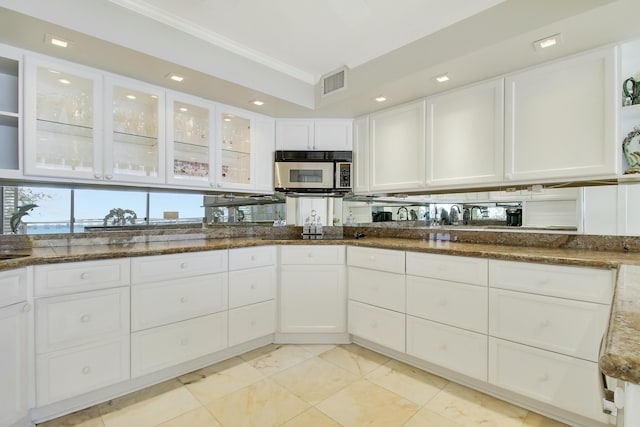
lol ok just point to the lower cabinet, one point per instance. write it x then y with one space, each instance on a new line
252 321
379 325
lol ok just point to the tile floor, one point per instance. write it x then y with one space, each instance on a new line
306 386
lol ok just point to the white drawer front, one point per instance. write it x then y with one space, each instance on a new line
453 348
251 286
312 254
565 326
252 321
386 290
375 324
259 256
160 303
376 259
57 279
562 381
13 286
67 373
177 266
165 346
82 318
456 304
580 283
447 267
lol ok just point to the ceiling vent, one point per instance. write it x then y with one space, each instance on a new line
334 82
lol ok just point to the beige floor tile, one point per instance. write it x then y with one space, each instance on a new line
221 379
311 418
471 408
262 404
317 349
314 379
261 351
281 358
364 403
89 417
197 418
537 420
411 383
150 410
355 359
426 418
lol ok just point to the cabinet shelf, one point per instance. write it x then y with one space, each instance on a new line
235 153
8 119
130 138
64 128
191 147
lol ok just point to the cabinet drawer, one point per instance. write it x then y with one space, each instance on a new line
160 303
456 304
379 288
448 267
312 254
165 346
82 318
72 372
177 266
13 286
574 328
453 348
252 321
580 283
559 380
57 279
376 259
251 286
375 324
259 256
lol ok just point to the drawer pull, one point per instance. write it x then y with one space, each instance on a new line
443 347
184 341
310 255
86 370
544 281
253 257
545 323
374 325
184 300
441 267
85 318
26 308
253 287
252 323
372 258
184 265
544 377
442 302
375 288
84 276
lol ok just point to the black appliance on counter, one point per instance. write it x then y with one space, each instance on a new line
514 217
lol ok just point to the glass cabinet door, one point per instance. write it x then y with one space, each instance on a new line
189 147
134 148
62 116
236 149
10 159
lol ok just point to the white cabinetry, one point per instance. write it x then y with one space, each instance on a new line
560 120
265 134
465 136
312 289
397 148
81 328
10 113
178 309
361 155
252 292
550 319
14 358
236 151
320 134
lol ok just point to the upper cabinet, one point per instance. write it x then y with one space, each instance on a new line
361 155
236 151
320 134
265 145
397 148
560 120
10 117
465 136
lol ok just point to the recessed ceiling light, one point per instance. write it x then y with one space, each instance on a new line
547 42
184 109
442 78
257 102
175 77
154 96
381 99
131 97
54 72
56 41
227 119
64 81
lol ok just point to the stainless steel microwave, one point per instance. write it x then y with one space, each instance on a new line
313 171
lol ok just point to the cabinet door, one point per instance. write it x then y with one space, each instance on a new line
361 155
294 134
63 121
13 364
313 298
333 134
265 146
376 324
398 148
10 113
190 141
236 152
465 137
560 120
134 146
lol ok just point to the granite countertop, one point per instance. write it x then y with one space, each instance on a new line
621 351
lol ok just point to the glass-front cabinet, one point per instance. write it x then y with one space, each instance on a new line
10 103
235 147
190 141
62 121
134 146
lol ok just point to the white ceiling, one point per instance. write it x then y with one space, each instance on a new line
235 51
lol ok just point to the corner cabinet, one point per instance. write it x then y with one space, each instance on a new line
10 113
465 136
397 148
560 120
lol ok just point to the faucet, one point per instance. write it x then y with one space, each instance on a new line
403 213
454 215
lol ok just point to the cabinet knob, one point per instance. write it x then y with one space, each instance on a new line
86 370
442 302
545 323
375 288
543 281
374 325
84 276
544 377
310 254
218 185
253 287
26 308
184 265
183 300
252 323
184 341
253 257
443 347
109 177
97 176
372 258
85 318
